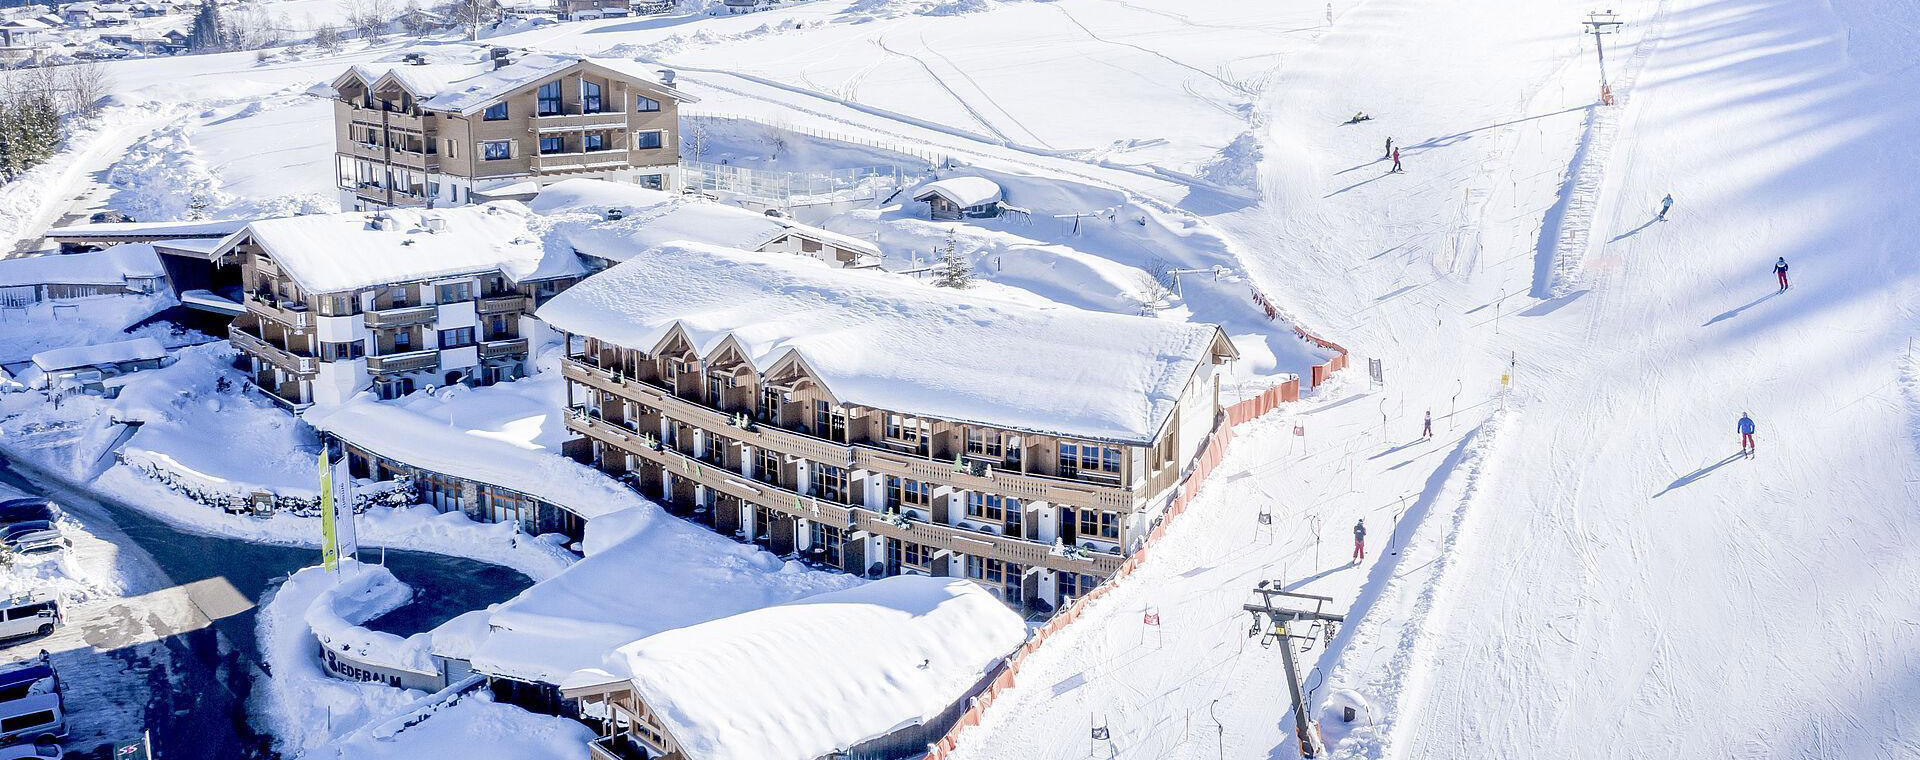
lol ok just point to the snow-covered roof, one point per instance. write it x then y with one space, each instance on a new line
476 92
113 266
804 679
886 341
197 247
332 253
25 23
155 230
653 217
137 349
423 80
645 572
965 192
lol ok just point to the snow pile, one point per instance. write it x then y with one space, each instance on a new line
1237 165
823 674
885 341
61 573
297 702
360 593
163 177
472 728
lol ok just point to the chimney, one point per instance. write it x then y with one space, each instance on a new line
499 58
666 77
435 224
414 59
616 213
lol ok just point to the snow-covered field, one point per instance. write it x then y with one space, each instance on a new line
1575 566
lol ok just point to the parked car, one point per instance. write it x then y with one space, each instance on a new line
27 679
27 525
29 615
40 719
32 752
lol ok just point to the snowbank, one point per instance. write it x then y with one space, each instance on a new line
296 702
472 728
114 266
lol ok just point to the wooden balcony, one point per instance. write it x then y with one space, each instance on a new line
504 304
257 346
410 361
560 162
507 347
402 316
293 314
412 160
841 516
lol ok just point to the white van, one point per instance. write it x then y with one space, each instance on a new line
39 719
28 615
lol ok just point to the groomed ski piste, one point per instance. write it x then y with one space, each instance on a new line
1577 563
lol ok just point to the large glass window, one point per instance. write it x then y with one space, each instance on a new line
829 423
495 112
589 97
456 291
459 337
907 493
650 139
829 482
550 145
496 150
909 554
989 506
595 142
1102 525
549 98
1088 458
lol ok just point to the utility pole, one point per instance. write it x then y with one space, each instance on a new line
1290 624
1600 23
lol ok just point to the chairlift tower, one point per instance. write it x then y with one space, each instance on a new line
1601 23
1290 624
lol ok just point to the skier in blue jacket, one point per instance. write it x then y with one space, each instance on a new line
1745 427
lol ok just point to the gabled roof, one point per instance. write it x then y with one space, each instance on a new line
801 680
113 266
475 93
652 217
887 341
332 253
964 192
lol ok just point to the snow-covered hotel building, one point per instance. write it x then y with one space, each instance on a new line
391 301
445 134
883 426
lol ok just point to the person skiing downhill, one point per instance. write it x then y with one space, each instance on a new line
1745 426
1426 431
1665 203
1360 540
1396 160
1780 268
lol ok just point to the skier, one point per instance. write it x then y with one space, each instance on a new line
1389 153
1396 160
1745 427
1665 203
1360 540
1780 268
1427 430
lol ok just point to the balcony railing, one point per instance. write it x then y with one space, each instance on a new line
599 159
290 313
402 316
410 361
275 355
844 517
503 303
504 347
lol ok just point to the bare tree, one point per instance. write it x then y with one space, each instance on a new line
472 14
84 86
370 18
327 38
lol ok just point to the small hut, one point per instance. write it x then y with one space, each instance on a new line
961 198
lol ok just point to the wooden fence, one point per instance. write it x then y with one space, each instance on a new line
1211 453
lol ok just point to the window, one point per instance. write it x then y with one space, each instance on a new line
768 409
829 482
589 97
24 722
1073 585
907 493
766 466
906 430
909 554
495 112
651 139
497 150
644 104
459 337
333 352
829 423
826 542
988 506
403 341
989 570
549 98
718 381
595 142
1088 458
1102 525
456 291
986 443
549 145
433 189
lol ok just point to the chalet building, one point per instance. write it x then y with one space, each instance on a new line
410 135
20 37
585 10
390 301
882 426
960 198
875 672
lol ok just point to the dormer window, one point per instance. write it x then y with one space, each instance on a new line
495 112
549 98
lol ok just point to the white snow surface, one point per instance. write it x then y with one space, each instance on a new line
889 342
109 267
651 218
960 191
804 679
136 349
331 253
